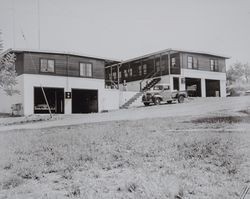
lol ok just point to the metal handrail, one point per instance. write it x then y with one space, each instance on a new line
149 76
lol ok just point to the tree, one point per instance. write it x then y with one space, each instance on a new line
238 71
7 72
246 72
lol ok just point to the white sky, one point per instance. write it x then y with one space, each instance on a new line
123 29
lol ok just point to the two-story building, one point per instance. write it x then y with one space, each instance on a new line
68 82
201 74
65 83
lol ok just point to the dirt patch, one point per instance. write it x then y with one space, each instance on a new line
221 119
245 112
10 120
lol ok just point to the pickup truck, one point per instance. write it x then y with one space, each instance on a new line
163 93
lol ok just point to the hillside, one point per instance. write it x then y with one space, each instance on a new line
199 149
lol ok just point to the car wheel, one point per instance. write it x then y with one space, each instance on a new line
181 99
146 104
157 101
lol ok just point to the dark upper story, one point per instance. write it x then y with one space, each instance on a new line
157 64
60 64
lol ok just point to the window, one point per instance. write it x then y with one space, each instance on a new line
144 69
125 73
130 72
86 70
114 75
140 70
163 63
196 64
190 62
173 62
213 65
47 65
157 64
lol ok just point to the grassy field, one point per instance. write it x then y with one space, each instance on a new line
175 157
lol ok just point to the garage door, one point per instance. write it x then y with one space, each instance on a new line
84 101
212 88
55 99
193 87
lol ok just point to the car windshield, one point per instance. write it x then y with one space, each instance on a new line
158 87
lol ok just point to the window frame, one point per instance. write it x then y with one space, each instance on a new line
130 72
215 65
196 64
173 65
86 72
140 70
188 62
144 69
47 61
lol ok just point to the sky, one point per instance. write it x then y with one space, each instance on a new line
123 29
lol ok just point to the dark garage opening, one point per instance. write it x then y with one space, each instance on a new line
212 88
193 87
55 97
84 101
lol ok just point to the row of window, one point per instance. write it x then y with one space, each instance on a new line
142 69
193 64
48 66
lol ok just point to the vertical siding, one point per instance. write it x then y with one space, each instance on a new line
64 64
19 63
203 61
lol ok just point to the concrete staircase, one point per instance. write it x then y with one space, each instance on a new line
131 100
148 86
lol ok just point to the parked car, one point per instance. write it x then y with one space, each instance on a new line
163 93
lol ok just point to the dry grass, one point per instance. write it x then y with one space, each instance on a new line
126 159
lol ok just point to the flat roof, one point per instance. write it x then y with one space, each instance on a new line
59 52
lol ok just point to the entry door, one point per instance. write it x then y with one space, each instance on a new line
176 83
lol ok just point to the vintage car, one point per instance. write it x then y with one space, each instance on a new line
163 93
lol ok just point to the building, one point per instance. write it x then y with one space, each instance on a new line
201 74
75 83
68 82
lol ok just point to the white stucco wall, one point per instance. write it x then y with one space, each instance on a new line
203 75
68 83
109 99
7 101
187 73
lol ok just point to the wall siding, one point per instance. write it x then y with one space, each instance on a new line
19 63
65 65
203 61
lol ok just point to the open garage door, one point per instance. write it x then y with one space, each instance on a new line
212 88
193 87
55 97
84 101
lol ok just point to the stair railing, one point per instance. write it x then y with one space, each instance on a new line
112 84
148 77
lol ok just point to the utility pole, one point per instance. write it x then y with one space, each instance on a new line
13 23
38 20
